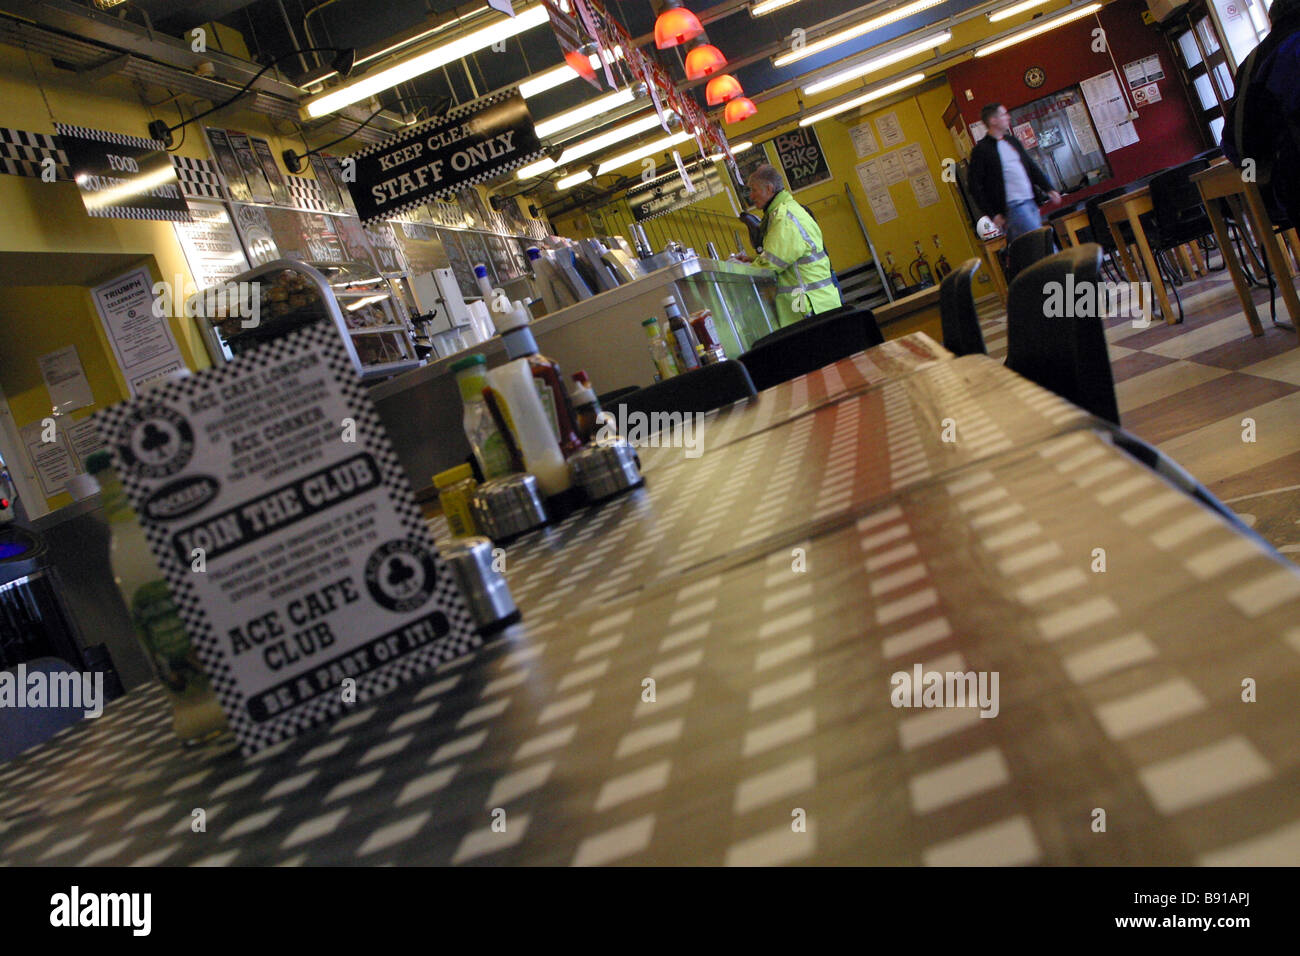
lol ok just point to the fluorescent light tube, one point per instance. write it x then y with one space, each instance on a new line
864 98
641 152
735 150
1012 10
849 33
876 63
764 7
589 146
570 181
1041 28
559 75
582 113
367 86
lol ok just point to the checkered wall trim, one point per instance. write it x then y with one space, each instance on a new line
306 193
22 153
321 339
199 179
105 136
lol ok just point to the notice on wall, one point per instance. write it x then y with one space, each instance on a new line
1146 95
891 168
300 565
211 246
978 130
142 341
799 153
882 206
254 174
913 159
266 159
122 177
869 176
65 379
325 179
255 227
864 140
891 131
53 461
923 189
1081 126
1025 133
85 439
1144 71
227 164
1109 111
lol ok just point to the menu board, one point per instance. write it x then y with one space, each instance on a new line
423 248
503 260
336 173
299 564
800 154
305 236
356 241
325 179
388 252
211 247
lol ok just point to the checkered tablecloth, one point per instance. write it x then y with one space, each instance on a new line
732 699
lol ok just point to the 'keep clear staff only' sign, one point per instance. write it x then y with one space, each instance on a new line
435 159
297 558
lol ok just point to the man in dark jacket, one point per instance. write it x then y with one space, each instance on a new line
1004 180
1263 120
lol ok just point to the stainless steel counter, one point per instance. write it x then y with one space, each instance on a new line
421 409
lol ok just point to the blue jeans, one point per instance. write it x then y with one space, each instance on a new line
1021 217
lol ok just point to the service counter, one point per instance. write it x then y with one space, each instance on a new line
422 411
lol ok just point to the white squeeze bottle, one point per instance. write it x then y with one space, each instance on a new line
528 419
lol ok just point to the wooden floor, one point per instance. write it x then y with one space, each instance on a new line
1194 389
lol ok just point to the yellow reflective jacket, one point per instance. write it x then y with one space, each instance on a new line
792 248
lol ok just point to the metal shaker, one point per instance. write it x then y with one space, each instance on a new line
484 587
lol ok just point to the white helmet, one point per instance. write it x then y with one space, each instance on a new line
986 229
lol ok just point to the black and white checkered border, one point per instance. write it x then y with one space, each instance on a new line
451 116
321 339
104 136
199 179
306 193
22 153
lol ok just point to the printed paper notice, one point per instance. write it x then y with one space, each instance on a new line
978 131
1146 95
891 131
913 159
1077 114
882 206
1143 71
1109 111
869 176
891 168
320 585
65 379
53 461
142 342
864 140
923 189
85 439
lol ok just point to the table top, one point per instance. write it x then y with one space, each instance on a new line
776 591
1120 204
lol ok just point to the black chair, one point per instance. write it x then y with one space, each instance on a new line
699 390
1098 230
1179 212
809 345
1027 249
1064 354
961 326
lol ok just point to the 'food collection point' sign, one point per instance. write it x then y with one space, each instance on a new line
285 527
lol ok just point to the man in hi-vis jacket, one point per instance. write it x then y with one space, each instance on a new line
792 248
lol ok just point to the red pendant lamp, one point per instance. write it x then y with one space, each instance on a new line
740 108
704 60
676 25
722 88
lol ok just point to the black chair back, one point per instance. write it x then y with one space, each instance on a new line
699 390
1067 353
1029 248
1097 219
808 345
1180 214
961 327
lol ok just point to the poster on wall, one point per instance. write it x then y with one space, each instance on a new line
891 131
1144 71
211 246
255 229
869 176
266 159
923 189
227 164
891 168
254 175
322 585
864 140
85 439
1025 133
325 179
53 461
882 206
800 154
142 342
913 159
1146 95
65 379
1109 109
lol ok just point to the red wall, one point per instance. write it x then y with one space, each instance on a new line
1168 132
